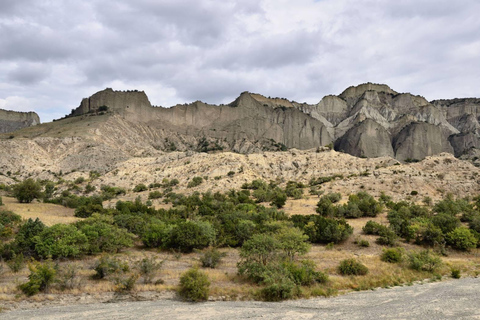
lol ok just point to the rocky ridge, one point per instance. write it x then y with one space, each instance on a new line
369 120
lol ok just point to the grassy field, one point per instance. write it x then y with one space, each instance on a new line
49 213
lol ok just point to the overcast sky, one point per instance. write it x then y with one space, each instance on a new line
54 53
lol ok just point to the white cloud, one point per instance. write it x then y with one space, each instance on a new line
52 54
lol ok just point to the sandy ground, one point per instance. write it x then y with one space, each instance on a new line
453 299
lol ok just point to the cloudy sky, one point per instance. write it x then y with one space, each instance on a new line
54 53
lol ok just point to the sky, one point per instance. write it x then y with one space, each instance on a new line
54 53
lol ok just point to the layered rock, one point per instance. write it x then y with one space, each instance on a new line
13 120
369 120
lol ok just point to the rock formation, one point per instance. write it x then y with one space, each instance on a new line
369 120
13 120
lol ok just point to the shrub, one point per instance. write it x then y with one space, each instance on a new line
392 255
148 267
89 188
27 190
67 276
424 260
88 210
456 274
140 187
387 237
125 282
104 237
279 286
16 263
194 285
292 242
211 257
372 227
462 239
8 220
155 195
24 239
196 181
326 230
79 180
60 241
352 267
363 243
190 235
304 273
108 265
42 275
156 234
279 199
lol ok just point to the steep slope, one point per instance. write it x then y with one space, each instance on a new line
419 140
367 139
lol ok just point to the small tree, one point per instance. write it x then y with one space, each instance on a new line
194 285
27 190
42 275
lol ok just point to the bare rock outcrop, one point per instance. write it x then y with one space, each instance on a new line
14 120
419 140
368 139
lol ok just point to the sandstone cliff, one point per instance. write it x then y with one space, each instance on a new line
13 120
369 120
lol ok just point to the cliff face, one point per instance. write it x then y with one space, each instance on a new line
13 120
369 120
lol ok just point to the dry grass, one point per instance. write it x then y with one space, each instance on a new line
49 213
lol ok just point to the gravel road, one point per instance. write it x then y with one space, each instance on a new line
452 299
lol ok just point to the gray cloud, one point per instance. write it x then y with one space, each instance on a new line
52 54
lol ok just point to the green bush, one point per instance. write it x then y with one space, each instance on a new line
140 187
108 265
387 237
194 285
24 239
190 235
326 230
372 227
87 210
27 190
211 257
392 255
16 263
456 274
156 235
304 273
424 260
196 181
154 195
462 239
8 221
279 286
104 237
42 275
279 199
363 243
60 241
352 267
292 241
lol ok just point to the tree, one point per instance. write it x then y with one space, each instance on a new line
27 190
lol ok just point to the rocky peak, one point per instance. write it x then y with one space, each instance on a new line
117 101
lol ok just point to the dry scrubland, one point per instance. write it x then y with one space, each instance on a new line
433 177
